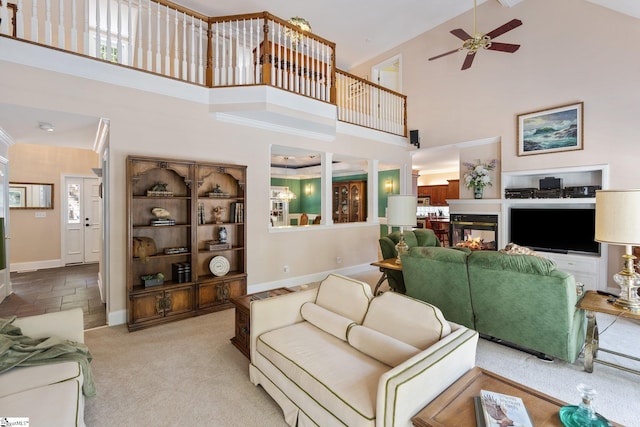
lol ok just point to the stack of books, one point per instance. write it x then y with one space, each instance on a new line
181 272
236 212
498 410
162 221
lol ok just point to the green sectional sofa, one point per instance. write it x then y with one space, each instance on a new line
415 238
519 299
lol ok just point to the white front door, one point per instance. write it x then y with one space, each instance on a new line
83 220
5 285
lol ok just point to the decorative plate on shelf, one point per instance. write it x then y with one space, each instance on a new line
219 265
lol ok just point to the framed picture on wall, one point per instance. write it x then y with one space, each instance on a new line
550 131
17 197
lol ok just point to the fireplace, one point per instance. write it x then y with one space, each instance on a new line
473 231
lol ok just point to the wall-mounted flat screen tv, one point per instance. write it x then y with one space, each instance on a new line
555 230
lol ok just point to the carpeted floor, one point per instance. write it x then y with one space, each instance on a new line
188 373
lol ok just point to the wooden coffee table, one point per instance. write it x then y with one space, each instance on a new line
454 407
243 318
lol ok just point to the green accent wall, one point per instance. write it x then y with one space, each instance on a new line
311 203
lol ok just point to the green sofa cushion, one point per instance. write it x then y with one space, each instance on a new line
417 237
525 300
438 276
528 264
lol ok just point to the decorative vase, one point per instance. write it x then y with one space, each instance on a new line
477 192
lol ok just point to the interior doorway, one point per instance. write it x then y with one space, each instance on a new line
82 229
388 73
5 283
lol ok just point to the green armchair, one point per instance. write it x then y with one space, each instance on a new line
415 238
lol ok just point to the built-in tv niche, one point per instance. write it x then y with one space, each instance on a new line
566 230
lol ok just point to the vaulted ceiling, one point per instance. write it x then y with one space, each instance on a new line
363 29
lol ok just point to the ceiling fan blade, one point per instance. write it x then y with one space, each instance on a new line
461 34
504 28
444 54
504 47
468 61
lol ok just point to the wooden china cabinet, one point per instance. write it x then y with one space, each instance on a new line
186 238
349 201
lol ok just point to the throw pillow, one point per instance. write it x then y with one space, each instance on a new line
326 320
344 296
514 249
381 347
409 320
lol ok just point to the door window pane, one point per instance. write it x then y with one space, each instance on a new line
73 201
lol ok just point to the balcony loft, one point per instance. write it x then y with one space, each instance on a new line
253 69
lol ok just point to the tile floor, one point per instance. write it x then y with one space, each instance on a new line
56 289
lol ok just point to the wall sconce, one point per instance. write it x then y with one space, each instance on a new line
388 186
307 189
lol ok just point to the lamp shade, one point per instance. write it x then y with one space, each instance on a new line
617 213
401 210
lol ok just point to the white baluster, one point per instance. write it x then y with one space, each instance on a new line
176 52
119 33
140 56
34 22
278 61
192 74
98 33
74 27
4 18
129 34
238 51
223 54
86 35
200 53
183 75
229 69
158 67
149 51
20 21
246 54
256 59
47 23
61 24
108 48
216 64
167 57
291 66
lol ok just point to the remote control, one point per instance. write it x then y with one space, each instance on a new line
609 294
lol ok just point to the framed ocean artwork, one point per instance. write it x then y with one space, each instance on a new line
550 131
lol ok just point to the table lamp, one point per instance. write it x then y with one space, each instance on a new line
617 223
401 212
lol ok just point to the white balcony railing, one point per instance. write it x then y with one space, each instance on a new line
167 39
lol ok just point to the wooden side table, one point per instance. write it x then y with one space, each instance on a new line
384 266
243 318
455 407
592 302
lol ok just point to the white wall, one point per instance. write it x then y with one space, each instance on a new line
144 123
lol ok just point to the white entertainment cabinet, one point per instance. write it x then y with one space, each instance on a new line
591 270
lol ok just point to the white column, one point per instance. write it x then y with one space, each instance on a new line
372 191
326 178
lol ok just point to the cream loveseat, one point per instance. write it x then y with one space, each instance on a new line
48 394
336 356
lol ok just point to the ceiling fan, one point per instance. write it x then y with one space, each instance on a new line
482 41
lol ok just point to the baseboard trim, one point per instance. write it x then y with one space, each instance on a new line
20 267
115 318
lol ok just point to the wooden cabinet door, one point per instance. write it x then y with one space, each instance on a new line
216 293
178 301
453 189
146 307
